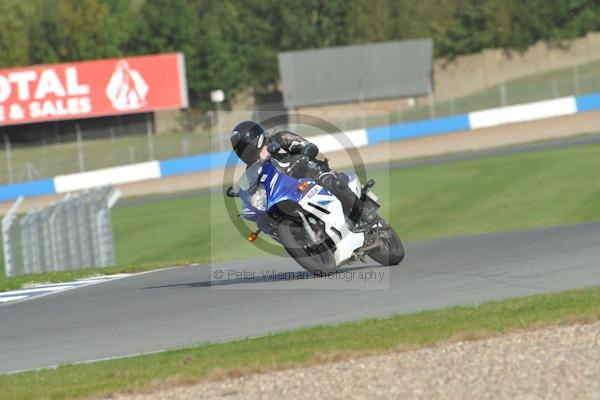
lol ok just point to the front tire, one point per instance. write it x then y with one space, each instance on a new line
316 259
391 252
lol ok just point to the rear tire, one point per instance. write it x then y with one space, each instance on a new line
391 252
316 259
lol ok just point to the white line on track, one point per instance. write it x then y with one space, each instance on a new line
44 289
11 298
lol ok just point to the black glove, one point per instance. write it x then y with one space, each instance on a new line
310 150
299 165
273 148
231 192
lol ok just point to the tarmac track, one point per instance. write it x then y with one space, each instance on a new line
185 306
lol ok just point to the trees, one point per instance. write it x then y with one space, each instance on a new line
70 30
162 26
515 24
14 40
233 44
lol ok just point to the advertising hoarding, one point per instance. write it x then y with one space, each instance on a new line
92 88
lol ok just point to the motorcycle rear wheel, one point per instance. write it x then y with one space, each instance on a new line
317 259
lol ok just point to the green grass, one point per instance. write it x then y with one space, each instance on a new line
538 189
304 346
52 160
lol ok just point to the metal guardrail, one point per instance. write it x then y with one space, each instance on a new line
71 234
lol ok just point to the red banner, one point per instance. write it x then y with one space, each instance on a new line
92 88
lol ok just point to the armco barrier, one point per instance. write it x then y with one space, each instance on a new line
523 113
199 163
427 127
340 141
27 189
205 162
327 143
107 176
590 102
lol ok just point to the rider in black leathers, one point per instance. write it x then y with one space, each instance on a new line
298 158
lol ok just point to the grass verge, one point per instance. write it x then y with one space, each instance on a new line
538 189
303 347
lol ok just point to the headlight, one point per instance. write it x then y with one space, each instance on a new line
259 199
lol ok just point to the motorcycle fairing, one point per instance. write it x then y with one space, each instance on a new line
328 209
315 199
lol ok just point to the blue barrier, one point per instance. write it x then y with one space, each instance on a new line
27 189
588 103
418 128
199 163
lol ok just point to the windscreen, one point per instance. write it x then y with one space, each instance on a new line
249 180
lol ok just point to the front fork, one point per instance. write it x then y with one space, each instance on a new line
309 231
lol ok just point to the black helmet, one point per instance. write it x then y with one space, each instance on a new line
247 138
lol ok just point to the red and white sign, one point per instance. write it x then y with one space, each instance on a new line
92 88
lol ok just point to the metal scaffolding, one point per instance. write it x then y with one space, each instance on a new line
72 234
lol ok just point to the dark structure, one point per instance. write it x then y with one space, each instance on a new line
53 132
355 74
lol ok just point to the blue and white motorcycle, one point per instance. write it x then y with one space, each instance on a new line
309 221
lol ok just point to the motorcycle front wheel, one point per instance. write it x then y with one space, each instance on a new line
391 252
317 258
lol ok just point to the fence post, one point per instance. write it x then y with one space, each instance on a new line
431 101
218 139
58 247
80 154
184 146
399 114
151 155
29 171
71 232
25 243
83 230
7 222
576 83
503 97
46 236
554 88
9 165
34 240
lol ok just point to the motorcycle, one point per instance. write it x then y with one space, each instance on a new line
309 221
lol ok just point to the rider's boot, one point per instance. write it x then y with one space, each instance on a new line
362 213
338 184
367 209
